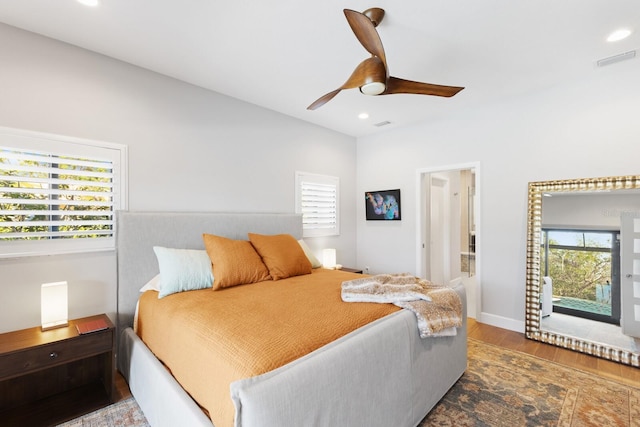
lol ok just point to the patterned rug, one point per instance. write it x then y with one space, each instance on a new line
509 388
125 413
500 388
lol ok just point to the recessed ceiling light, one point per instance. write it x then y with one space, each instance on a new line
618 35
92 3
363 116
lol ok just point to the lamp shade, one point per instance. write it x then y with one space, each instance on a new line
329 258
54 305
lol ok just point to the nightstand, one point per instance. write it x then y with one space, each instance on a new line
48 377
351 270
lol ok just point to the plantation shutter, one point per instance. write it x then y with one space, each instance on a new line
56 203
317 200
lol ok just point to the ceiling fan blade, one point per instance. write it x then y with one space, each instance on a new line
323 99
370 70
396 85
366 33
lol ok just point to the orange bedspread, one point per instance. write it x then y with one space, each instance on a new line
208 339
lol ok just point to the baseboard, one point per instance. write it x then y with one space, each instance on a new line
501 322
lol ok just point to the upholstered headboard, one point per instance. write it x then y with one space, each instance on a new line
138 232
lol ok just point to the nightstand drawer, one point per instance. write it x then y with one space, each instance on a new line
45 356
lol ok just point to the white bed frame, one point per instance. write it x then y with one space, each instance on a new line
382 374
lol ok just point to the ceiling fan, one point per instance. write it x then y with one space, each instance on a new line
372 75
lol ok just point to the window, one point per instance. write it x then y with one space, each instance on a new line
317 201
584 266
58 194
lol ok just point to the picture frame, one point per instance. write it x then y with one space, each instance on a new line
383 205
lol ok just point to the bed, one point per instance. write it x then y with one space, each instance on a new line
380 374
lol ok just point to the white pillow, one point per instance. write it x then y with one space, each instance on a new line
183 270
152 285
315 263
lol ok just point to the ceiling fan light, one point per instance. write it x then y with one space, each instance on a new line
373 88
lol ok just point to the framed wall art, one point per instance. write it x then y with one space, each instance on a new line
383 205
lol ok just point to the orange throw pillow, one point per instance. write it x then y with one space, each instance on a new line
282 254
235 262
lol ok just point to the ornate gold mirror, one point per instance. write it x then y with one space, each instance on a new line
603 195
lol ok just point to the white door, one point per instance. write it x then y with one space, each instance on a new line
630 274
439 230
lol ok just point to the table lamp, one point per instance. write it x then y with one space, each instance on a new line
329 258
54 305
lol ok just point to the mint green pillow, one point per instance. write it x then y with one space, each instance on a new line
183 270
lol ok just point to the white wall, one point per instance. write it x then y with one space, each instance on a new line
591 211
588 127
189 150
227 155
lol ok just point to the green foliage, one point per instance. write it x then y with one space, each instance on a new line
66 204
576 272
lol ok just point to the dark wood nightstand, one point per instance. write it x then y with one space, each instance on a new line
52 376
351 270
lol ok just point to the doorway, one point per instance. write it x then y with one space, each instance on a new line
448 228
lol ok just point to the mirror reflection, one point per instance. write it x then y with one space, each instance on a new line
578 268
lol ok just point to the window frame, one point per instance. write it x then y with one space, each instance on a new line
308 229
613 250
546 246
60 145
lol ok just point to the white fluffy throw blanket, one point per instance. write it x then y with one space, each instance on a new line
438 309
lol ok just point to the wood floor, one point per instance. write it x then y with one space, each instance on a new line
122 389
517 341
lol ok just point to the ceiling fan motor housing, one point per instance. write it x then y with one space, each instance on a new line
375 14
373 75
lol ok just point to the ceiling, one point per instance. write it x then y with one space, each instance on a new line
284 54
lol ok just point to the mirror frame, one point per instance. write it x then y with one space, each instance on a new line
533 277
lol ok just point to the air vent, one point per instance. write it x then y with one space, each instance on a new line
616 58
386 122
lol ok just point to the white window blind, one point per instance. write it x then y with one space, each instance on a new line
57 196
317 199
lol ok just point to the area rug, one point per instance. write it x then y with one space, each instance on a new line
508 388
500 388
125 413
